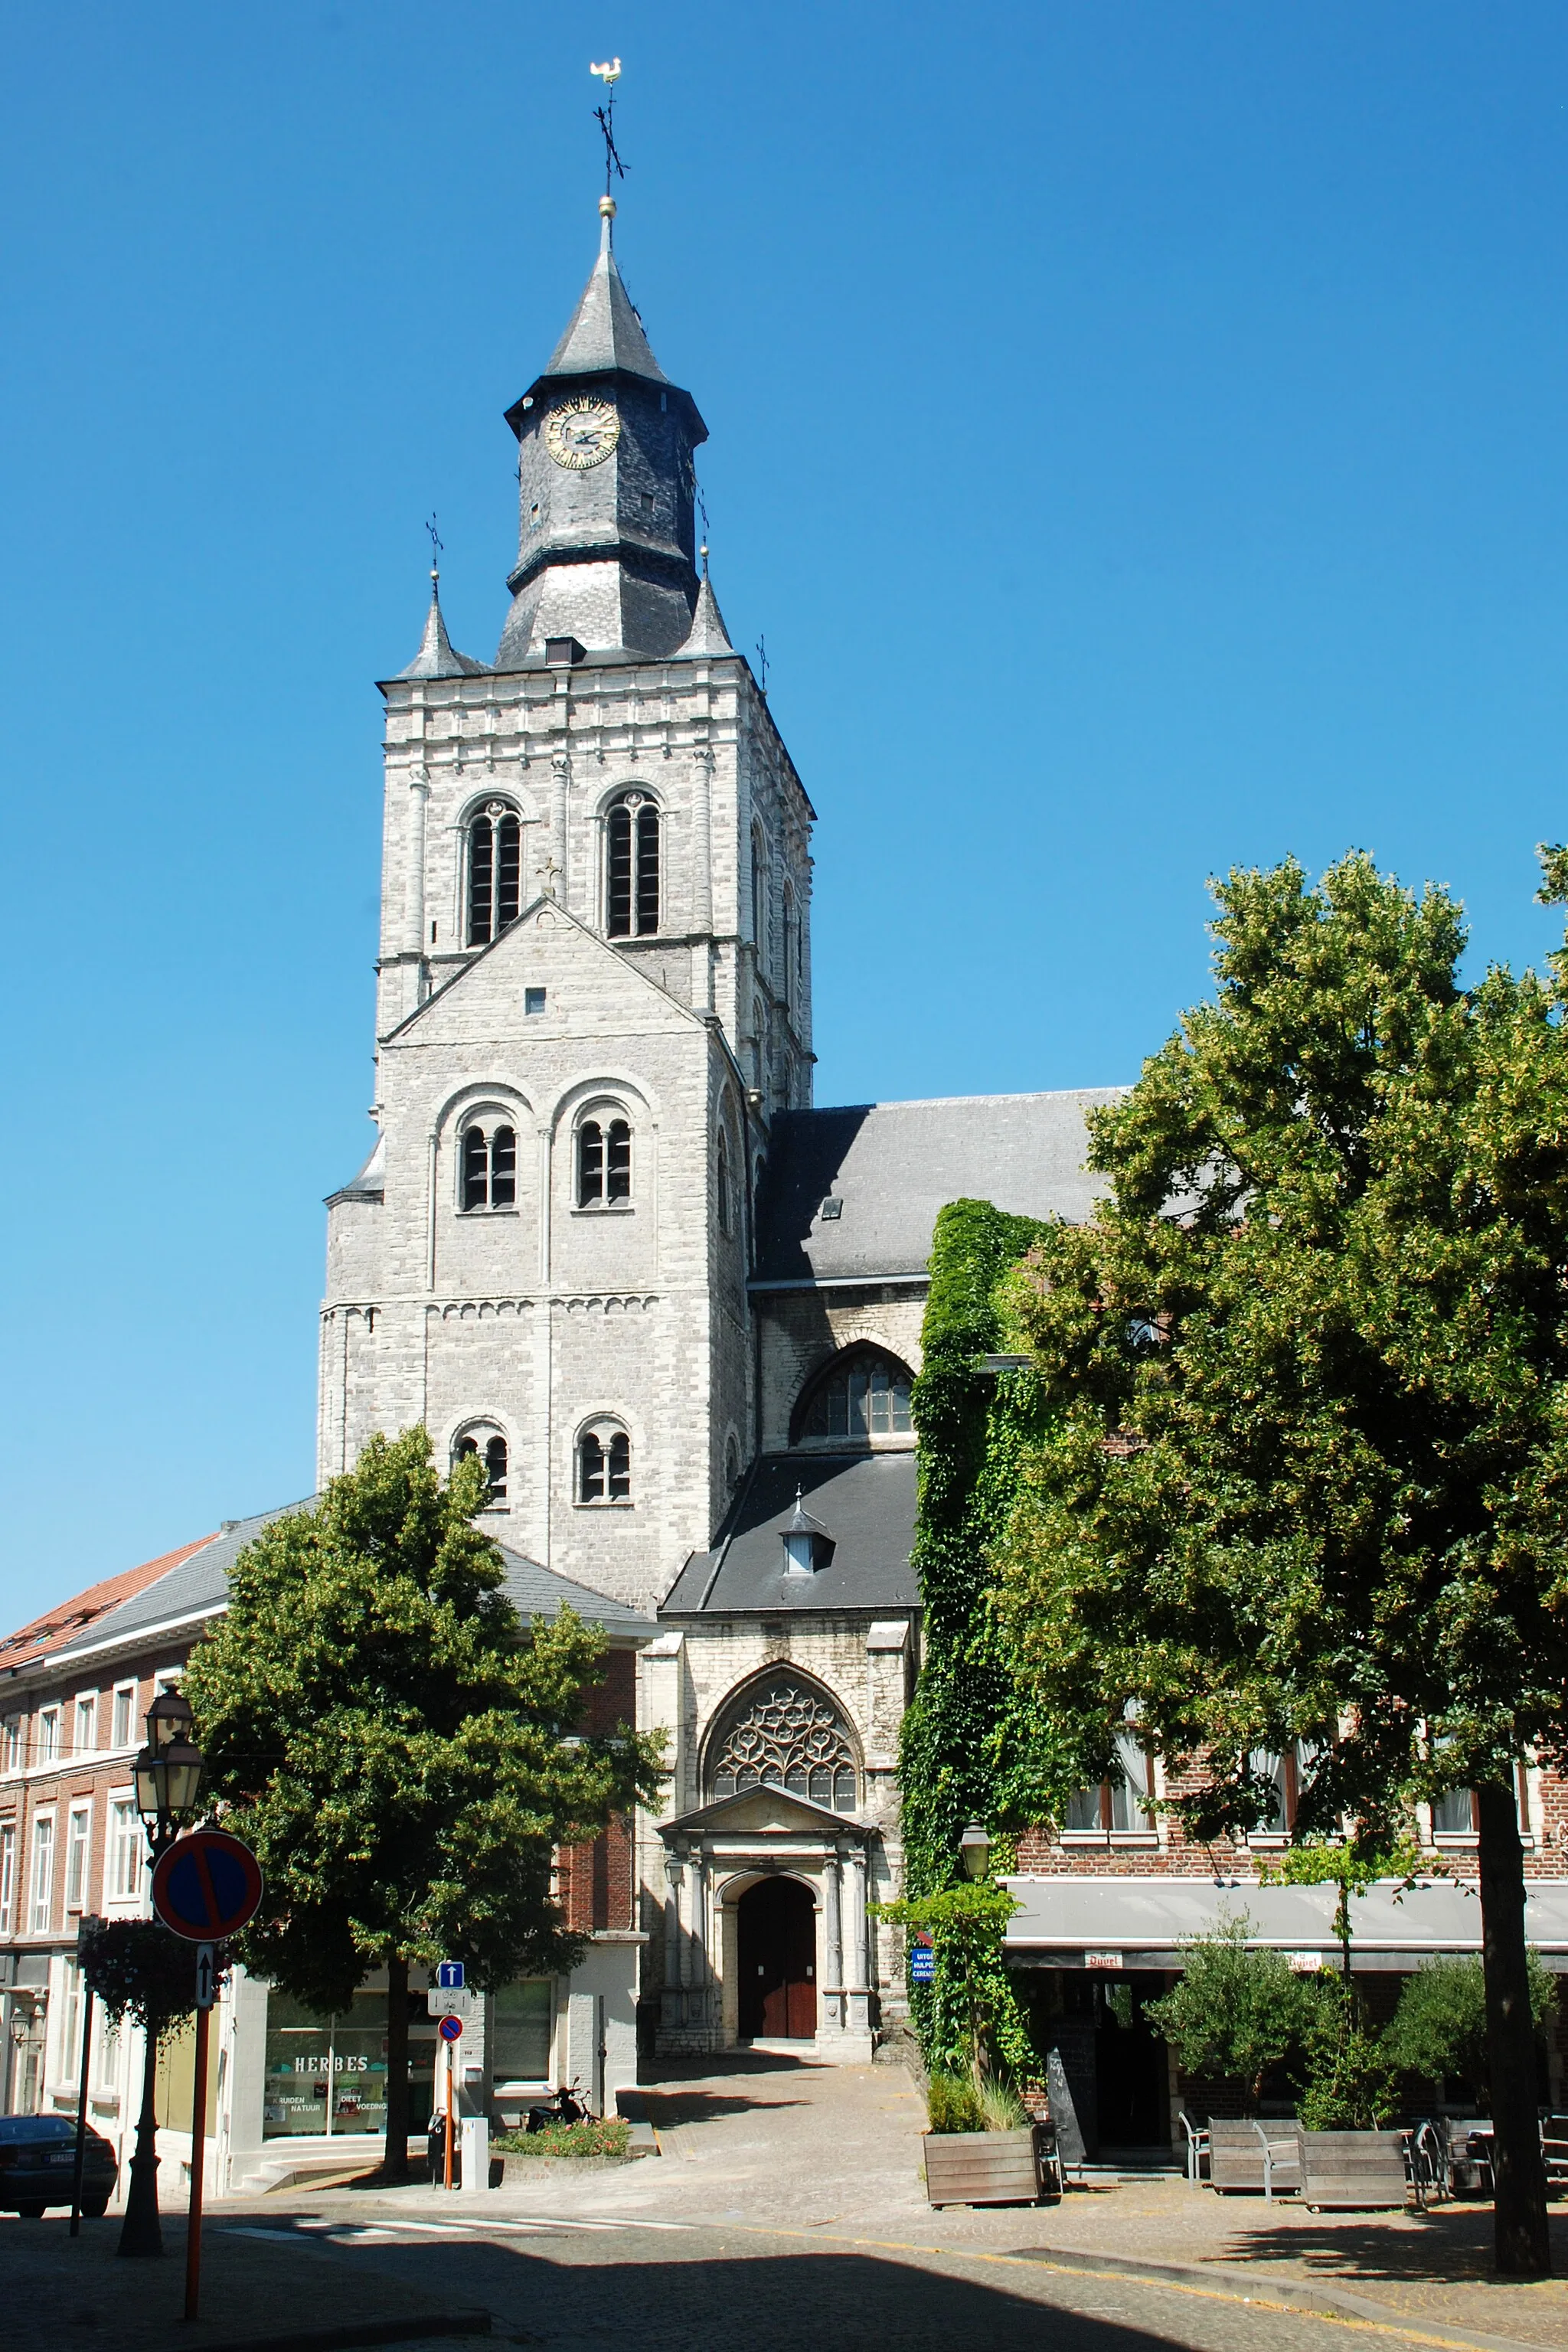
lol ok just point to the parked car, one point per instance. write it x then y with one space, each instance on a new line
37 2166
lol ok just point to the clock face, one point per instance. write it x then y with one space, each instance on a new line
581 432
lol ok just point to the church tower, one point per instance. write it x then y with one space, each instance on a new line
594 999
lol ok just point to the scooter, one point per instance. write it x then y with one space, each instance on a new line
563 2108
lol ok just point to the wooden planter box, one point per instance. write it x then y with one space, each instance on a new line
981 2168
1236 2154
1348 2168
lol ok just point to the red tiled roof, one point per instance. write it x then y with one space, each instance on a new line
66 1620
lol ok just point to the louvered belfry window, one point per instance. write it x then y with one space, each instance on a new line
489 1168
632 908
605 1466
495 873
603 1163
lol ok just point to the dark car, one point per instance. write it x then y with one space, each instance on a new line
37 2166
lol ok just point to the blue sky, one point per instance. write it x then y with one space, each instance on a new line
1136 428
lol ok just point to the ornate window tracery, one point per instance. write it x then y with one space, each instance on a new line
786 1735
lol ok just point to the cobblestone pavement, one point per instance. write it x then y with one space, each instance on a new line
787 2206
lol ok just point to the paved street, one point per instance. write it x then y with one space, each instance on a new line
787 2208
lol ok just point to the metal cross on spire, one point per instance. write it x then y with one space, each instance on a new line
437 546
604 116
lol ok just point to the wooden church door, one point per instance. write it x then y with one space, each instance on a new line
776 1955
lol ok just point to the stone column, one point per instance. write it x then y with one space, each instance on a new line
831 1872
859 2007
701 1972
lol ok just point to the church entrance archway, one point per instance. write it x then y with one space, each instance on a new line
775 1925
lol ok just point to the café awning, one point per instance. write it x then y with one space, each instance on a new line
1124 1922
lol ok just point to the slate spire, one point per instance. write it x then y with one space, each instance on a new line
436 657
606 332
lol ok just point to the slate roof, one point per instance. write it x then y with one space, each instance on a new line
606 332
866 1501
708 633
894 1165
195 1585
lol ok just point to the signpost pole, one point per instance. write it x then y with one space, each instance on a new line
205 1974
450 2048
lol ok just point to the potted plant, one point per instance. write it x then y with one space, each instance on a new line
1233 2015
1349 2156
982 2148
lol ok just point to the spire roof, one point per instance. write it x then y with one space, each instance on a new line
708 633
606 332
436 657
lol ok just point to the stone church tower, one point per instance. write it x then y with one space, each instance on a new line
594 999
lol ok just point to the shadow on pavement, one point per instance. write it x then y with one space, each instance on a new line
1447 2242
765 2303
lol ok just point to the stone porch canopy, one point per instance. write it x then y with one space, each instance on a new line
1114 1923
718 1852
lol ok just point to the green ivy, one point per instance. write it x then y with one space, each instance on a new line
975 1429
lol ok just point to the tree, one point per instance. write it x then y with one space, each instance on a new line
1306 1475
1235 2012
1440 2025
137 1969
966 1924
398 1750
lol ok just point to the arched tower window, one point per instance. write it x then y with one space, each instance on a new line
493 1451
632 864
722 1188
783 1733
603 1163
489 1168
863 1397
760 900
495 873
603 1465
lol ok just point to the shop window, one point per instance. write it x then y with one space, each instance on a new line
328 2074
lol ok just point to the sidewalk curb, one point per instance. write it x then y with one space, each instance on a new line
413 2330
1330 2302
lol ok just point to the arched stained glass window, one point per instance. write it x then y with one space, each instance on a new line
632 867
786 1734
866 1397
495 873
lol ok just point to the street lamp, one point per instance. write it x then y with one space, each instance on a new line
168 1771
974 1850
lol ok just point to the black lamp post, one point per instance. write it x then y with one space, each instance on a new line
168 1776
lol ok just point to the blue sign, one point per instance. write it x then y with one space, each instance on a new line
923 1964
449 1976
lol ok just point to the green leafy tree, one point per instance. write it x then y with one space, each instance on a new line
975 2018
1350 2076
398 1750
1305 1472
1235 2013
1440 2025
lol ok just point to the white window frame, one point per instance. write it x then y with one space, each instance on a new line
11 1744
87 1700
78 1853
8 1876
50 1723
126 1691
125 1836
41 1875
67 2057
167 1678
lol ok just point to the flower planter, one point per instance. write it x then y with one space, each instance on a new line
1236 2153
1350 2169
982 2168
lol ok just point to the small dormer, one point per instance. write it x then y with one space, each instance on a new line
808 1545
